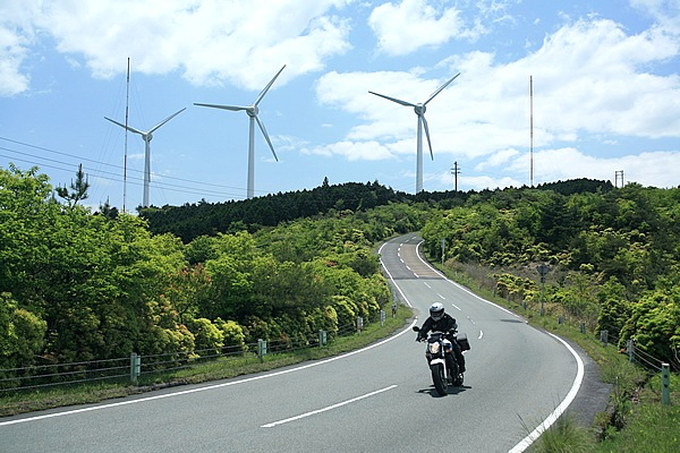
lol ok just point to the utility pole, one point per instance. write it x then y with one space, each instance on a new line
618 173
543 271
454 171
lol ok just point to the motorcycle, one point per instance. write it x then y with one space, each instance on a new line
440 358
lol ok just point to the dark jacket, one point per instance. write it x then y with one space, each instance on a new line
445 324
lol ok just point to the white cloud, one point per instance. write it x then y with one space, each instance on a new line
352 151
16 35
405 27
12 53
589 77
646 168
486 182
209 42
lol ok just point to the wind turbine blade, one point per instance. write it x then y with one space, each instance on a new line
441 88
398 101
130 128
265 89
427 135
165 121
234 108
266 136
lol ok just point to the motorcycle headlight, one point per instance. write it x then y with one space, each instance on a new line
433 348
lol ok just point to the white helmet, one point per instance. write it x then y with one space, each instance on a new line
437 311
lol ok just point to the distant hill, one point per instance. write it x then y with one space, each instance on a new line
192 220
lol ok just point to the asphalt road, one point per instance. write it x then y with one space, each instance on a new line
379 399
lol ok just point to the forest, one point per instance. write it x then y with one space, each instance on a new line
83 285
613 256
77 285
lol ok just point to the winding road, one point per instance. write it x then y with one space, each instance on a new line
377 399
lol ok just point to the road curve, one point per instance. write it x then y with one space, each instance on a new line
376 399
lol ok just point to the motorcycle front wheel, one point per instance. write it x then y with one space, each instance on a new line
439 379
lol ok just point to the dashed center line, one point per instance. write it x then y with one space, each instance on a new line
328 408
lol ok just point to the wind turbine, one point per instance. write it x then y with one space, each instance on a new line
147 136
252 110
422 122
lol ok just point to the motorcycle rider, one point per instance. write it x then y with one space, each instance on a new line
441 321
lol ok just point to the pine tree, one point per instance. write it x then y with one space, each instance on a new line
78 189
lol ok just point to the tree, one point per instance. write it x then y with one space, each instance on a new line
78 191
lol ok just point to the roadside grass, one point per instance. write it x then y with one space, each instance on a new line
565 435
635 420
650 426
223 368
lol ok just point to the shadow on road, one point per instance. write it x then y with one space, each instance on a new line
450 391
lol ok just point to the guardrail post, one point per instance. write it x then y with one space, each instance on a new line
665 384
261 349
631 350
135 367
322 337
604 336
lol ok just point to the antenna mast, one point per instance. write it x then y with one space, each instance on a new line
531 125
127 103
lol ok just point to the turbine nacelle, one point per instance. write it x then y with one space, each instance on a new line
252 111
420 109
146 136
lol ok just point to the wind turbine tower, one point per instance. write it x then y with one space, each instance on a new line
147 136
252 110
422 123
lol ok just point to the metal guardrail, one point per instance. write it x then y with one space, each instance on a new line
132 367
647 361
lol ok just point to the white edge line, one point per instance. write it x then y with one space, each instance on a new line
552 418
209 387
392 278
460 286
225 384
328 408
578 380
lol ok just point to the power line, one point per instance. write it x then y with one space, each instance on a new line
46 162
101 174
105 163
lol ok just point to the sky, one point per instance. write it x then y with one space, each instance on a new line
605 76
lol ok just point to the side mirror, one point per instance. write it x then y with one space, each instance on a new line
416 329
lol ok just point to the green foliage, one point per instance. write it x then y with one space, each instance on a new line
192 220
93 286
233 336
78 191
614 253
208 338
655 324
21 333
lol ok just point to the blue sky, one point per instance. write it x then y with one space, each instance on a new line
606 80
